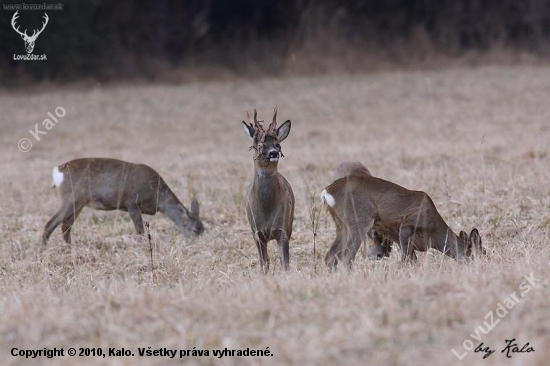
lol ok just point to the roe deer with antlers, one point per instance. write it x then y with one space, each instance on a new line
382 245
110 184
358 204
269 199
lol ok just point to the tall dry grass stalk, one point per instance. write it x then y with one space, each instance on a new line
148 232
314 213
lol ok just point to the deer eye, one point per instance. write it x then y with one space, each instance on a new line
278 146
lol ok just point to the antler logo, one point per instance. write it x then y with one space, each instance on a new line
29 41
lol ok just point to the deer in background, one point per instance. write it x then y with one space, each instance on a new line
29 41
359 204
269 199
110 184
382 246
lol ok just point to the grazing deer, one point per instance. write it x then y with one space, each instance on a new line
362 203
110 184
382 246
269 199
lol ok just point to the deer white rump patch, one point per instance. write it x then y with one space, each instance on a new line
329 199
57 177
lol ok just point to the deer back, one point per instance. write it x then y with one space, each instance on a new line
348 168
110 183
389 204
393 206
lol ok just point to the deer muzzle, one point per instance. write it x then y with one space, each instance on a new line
273 156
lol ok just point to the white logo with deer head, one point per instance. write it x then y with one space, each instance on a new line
29 41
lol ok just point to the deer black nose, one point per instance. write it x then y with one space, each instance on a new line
273 154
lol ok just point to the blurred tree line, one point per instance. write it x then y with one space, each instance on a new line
105 40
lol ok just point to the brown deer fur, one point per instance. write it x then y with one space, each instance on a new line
381 246
361 203
269 198
110 184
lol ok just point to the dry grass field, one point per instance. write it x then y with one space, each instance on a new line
477 140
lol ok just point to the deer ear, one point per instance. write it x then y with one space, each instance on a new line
248 131
283 131
464 236
475 239
195 207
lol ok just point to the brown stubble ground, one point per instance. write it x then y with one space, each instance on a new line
477 140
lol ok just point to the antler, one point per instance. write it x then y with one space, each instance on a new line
43 26
273 124
35 34
256 124
13 19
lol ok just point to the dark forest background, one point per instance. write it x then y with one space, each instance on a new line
117 40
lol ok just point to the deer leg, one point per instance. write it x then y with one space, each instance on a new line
67 209
406 233
283 243
360 215
370 234
68 223
50 227
135 214
264 256
331 258
414 259
357 235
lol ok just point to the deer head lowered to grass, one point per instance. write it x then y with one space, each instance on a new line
110 184
358 204
269 198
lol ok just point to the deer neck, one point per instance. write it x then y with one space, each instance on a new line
448 242
171 206
265 172
167 201
266 182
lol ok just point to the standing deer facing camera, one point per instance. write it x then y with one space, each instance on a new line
110 184
359 203
269 199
